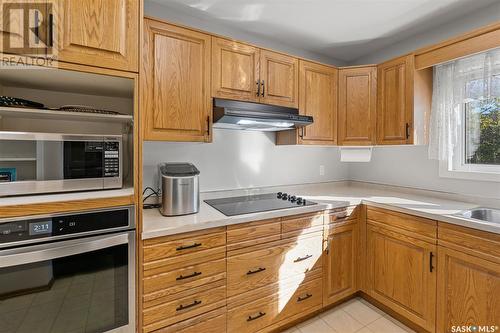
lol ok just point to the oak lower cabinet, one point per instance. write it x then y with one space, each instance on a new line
401 272
340 259
318 98
468 279
101 33
175 86
244 72
357 108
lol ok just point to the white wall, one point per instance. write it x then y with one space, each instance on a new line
242 159
175 14
409 166
471 21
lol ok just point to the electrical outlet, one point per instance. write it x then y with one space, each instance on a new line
321 170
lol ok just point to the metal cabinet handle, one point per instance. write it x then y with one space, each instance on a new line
431 266
407 131
258 87
183 277
301 133
208 125
186 247
184 307
299 259
258 270
303 298
51 30
263 88
257 316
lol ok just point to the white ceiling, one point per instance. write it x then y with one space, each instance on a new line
341 29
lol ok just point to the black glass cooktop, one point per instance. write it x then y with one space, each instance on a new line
257 203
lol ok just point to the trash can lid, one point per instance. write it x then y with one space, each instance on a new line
178 169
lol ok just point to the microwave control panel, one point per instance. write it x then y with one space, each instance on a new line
111 159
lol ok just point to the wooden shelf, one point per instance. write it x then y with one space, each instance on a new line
62 115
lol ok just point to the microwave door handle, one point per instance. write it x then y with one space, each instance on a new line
37 253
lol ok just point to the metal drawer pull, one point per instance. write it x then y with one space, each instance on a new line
258 87
257 316
303 258
184 307
183 277
260 269
303 298
185 247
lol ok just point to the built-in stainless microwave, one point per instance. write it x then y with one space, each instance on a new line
50 162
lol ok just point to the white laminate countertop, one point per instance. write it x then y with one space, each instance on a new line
429 204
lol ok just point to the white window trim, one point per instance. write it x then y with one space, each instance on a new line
455 166
446 171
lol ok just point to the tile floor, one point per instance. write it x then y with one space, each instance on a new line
354 316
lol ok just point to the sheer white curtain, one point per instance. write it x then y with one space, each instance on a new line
456 83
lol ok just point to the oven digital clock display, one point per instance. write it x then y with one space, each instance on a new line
40 228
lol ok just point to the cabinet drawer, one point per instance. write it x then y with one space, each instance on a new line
184 307
302 224
418 226
265 266
342 214
255 316
211 322
252 233
254 269
158 249
185 278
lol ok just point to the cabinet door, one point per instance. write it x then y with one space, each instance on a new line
101 33
279 75
318 98
175 85
357 105
235 70
340 264
14 38
468 290
395 101
401 274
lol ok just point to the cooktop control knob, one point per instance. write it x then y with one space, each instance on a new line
299 201
284 197
279 195
303 202
292 198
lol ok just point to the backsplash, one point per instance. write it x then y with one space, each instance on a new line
243 159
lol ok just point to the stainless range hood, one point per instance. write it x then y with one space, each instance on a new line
231 114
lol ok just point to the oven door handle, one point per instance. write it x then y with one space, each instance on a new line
37 253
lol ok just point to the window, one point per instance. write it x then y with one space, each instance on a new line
466 116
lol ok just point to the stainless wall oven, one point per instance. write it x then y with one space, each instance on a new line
68 273
46 162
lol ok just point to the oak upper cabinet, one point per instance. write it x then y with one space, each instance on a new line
235 70
340 263
395 101
279 79
318 98
468 279
175 85
401 272
247 73
357 106
102 33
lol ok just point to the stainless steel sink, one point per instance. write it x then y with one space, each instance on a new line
483 214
